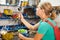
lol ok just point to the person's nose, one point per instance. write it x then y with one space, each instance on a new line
36 9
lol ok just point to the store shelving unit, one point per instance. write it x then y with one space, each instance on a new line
17 26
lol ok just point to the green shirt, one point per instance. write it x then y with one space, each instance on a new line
47 30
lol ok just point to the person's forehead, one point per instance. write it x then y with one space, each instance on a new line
38 5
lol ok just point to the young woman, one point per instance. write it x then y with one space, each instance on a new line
45 31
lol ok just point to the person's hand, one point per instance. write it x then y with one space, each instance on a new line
20 36
20 16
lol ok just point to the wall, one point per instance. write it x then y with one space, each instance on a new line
53 2
14 8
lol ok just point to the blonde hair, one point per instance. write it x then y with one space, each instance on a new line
48 10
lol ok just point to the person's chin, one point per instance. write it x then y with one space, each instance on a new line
37 14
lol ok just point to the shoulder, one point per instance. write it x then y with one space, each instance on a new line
52 21
44 24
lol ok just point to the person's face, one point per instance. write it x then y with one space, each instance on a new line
39 12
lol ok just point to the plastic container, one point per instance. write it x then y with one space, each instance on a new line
23 32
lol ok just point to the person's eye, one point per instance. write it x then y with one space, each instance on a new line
40 7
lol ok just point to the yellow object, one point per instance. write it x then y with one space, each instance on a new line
25 3
8 12
8 36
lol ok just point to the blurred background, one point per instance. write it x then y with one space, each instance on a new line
9 22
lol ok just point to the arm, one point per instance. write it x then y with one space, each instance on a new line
28 25
42 30
24 38
37 37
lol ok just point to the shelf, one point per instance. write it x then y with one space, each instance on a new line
13 27
17 26
32 18
4 18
